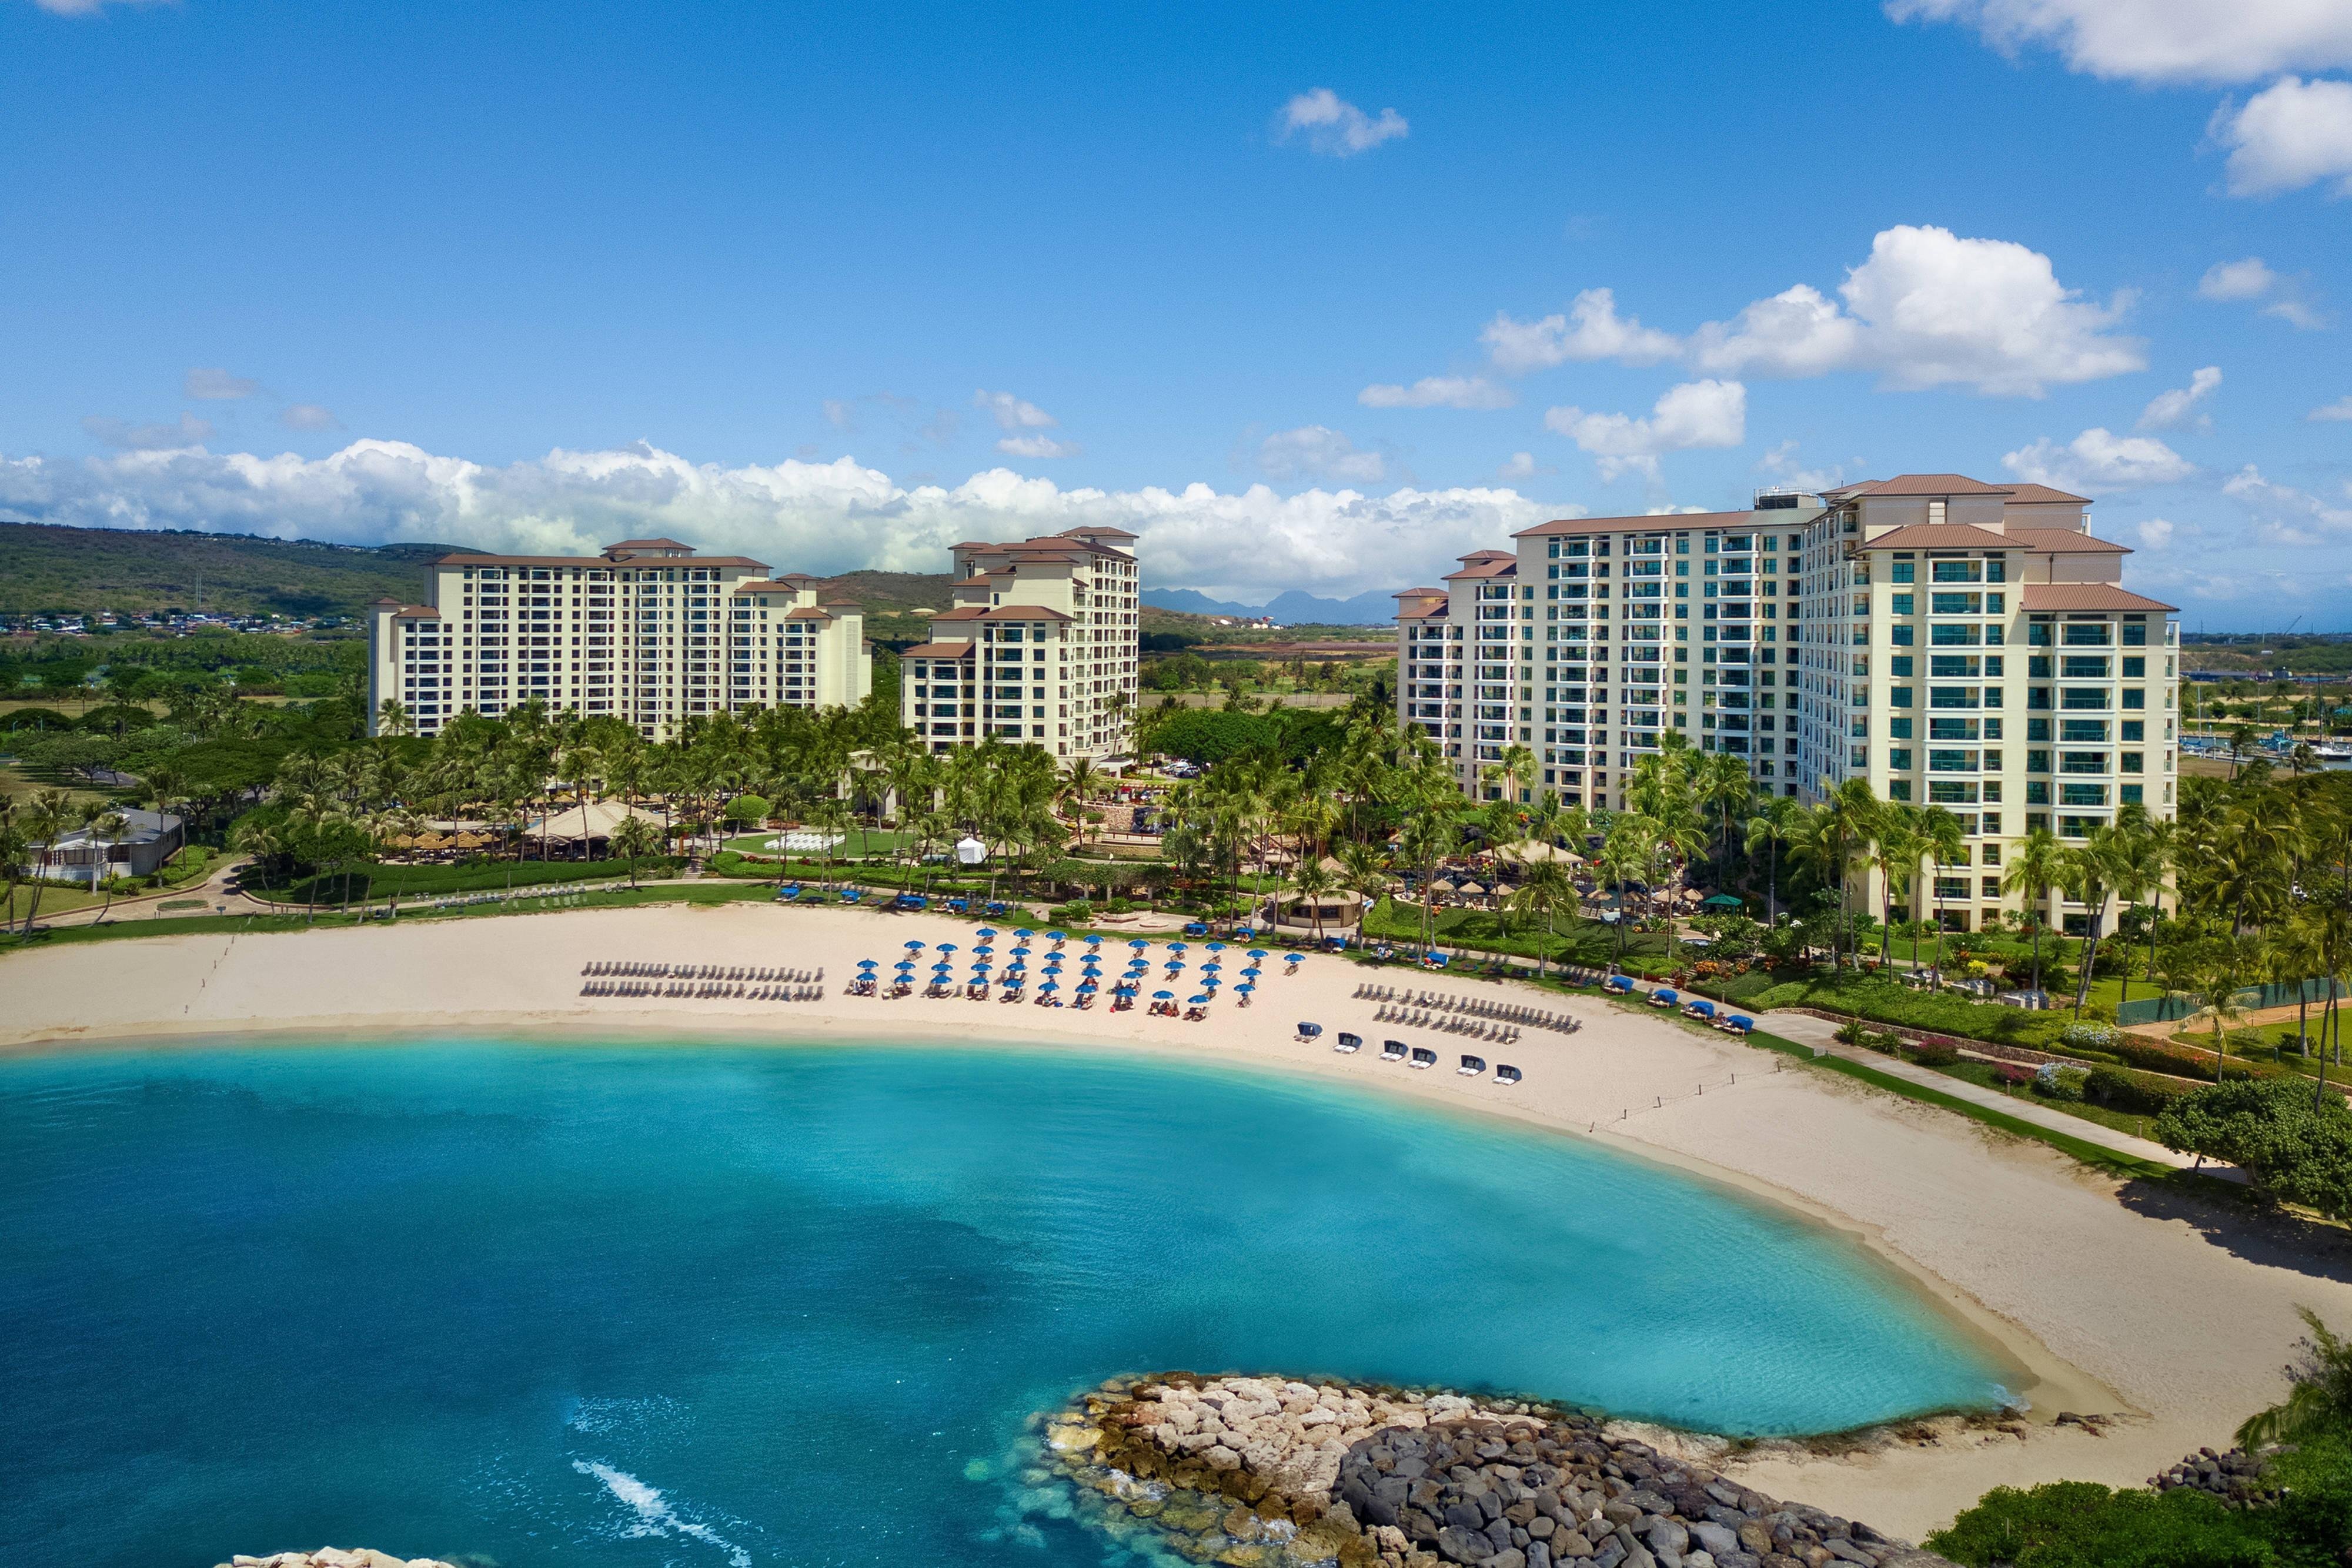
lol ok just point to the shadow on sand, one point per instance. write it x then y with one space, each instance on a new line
2312 1247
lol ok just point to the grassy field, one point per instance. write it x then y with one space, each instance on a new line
856 842
375 882
1581 941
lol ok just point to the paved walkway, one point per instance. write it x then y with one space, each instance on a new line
1820 1034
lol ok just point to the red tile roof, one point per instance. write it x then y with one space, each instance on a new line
2043 494
1919 485
2066 541
2085 596
1944 536
938 651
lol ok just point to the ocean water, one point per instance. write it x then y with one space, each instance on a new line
703 1305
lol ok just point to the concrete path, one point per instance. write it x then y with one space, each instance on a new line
1820 1034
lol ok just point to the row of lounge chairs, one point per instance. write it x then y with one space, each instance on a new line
656 970
1470 1007
1701 1008
1416 1056
702 990
1478 1029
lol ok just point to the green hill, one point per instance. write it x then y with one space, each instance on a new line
45 568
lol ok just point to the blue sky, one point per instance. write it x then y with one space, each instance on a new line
838 289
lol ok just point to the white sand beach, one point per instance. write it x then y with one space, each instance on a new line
2178 1318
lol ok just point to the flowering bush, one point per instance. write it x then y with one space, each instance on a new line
2060 1082
2089 1036
2014 1073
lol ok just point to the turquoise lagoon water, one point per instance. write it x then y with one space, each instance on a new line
702 1305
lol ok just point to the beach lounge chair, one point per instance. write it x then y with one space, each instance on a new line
1699 1008
1471 1067
1350 1043
1309 1031
1423 1057
1663 997
959 906
1392 1051
1740 1023
1506 1074
1618 983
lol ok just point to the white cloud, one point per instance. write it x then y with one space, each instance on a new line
2158 40
1319 452
1592 329
824 518
1782 465
2177 409
2234 282
2248 279
1929 308
1012 413
2284 515
1521 465
2155 533
838 413
219 386
307 417
2291 134
1036 446
2097 461
1694 415
124 436
1336 127
1438 391
2340 408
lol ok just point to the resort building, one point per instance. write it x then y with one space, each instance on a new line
648 631
1040 647
1894 630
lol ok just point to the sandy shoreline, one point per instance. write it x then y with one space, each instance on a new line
2106 1302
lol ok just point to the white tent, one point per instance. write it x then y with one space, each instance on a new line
595 820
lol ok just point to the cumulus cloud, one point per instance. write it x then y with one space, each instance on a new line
1521 465
307 417
2155 533
1438 391
1781 464
2291 134
219 386
1335 127
1929 308
1591 329
2243 282
124 436
2284 515
1012 413
1319 452
2248 279
1036 446
2340 408
1926 308
824 518
1694 415
2098 462
2158 40
2178 408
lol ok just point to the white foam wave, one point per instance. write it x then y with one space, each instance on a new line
655 1516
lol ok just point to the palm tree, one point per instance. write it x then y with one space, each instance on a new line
1312 880
1723 786
2031 873
106 827
259 843
1545 889
2219 968
2142 853
2320 1399
1514 771
1428 837
1777 822
2086 873
392 716
1897 843
1833 838
44 823
633 838
12 854
1629 853
1945 842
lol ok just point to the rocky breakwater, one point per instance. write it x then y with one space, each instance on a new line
334 1557
1266 1473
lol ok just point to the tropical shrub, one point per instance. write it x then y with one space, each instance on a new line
2133 1093
1935 1053
2088 1037
2059 1082
2082 1524
2294 1143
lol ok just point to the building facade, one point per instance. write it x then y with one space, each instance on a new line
648 631
1954 643
1040 647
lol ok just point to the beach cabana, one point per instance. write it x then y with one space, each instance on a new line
1349 1042
1309 1031
1700 1007
1506 1074
584 832
1392 1051
1196 929
1471 1066
1663 997
1739 1022
1620 983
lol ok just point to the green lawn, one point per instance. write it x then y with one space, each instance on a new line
1587 942
375 882
1985 1076
855 843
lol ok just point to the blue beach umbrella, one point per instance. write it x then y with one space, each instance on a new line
1163 996
1023 934
1212 966
1176 946
981 966
1139 944
1055 937
1245 987
867 963
1216 947
1197 1002
1050 986
1257 953
914 946
1094 941
1089 985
